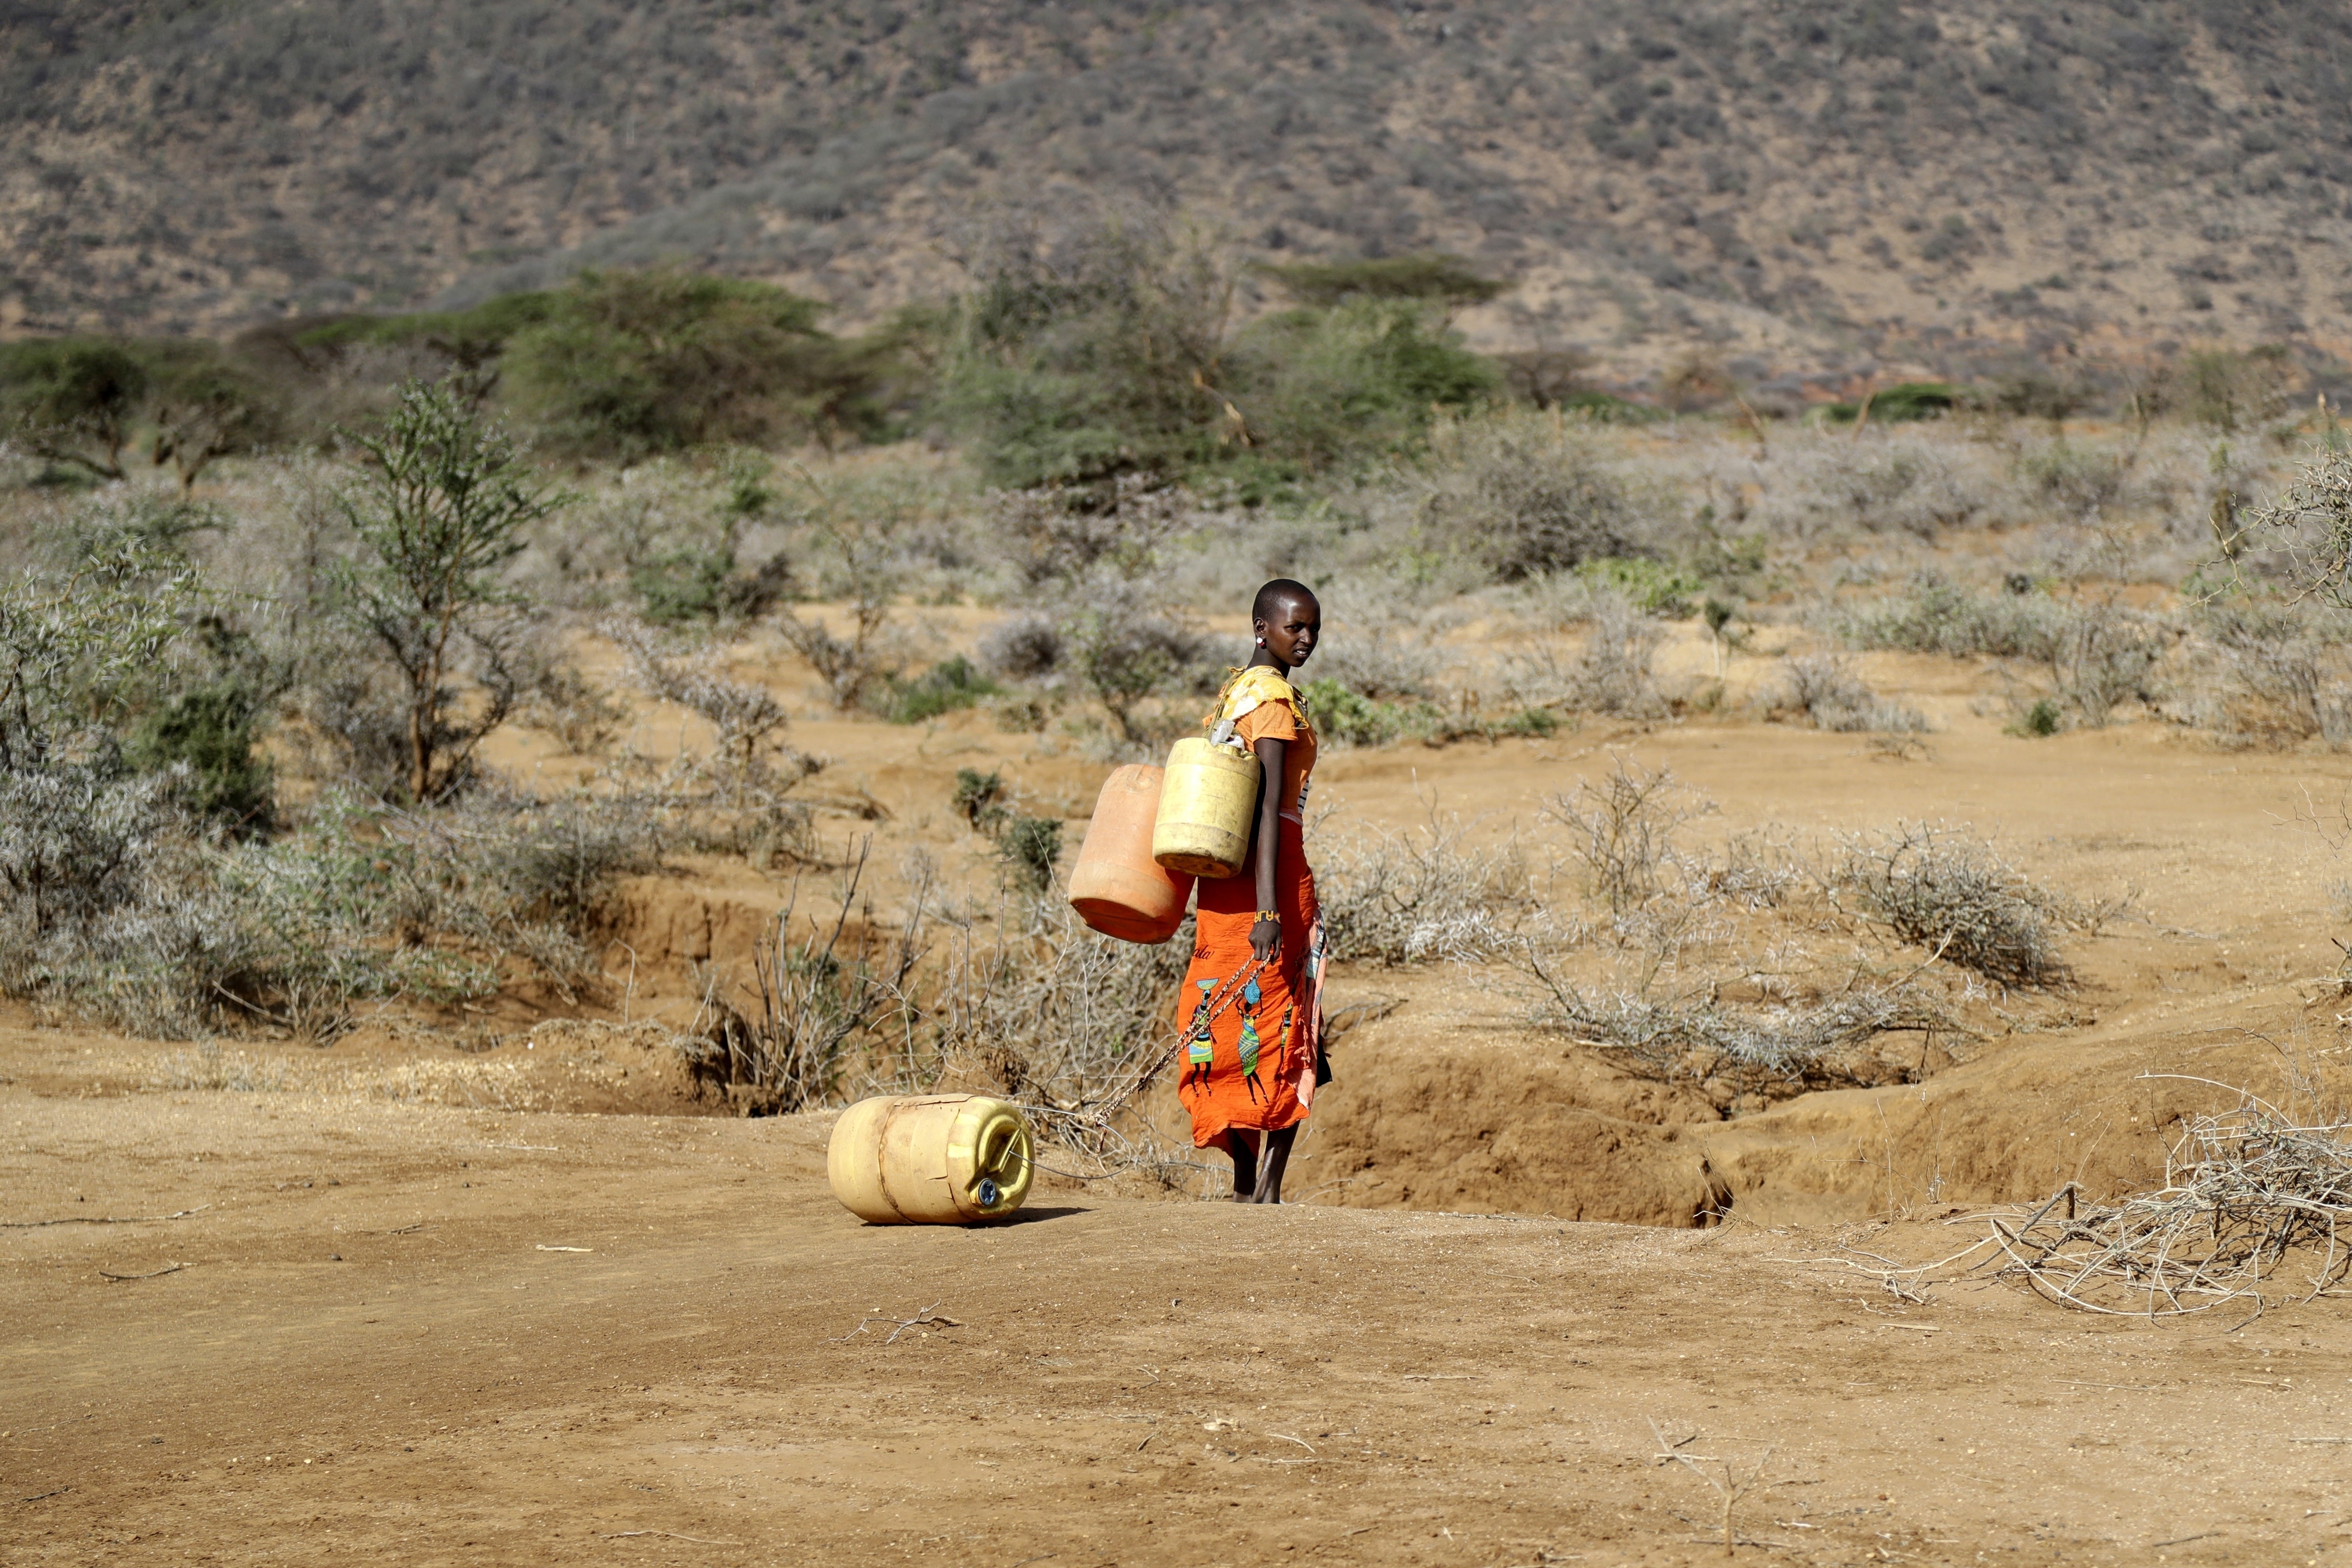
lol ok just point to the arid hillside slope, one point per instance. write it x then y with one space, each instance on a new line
1810 185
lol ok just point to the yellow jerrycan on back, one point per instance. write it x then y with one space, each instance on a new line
1207 799
930 1159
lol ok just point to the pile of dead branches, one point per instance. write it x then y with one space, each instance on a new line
2248 1197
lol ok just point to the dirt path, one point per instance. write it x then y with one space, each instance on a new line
382 1347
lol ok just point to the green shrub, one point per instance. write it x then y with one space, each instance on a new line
1322 387
1106 348
1353 720
2039 719
210 404
211 732
1900 403
1653 587
1030 847
682 585
471 337
626 365
1604 408
980 799
942 689
440 507
1936 616
1530 723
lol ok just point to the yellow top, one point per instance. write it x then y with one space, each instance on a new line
1262 705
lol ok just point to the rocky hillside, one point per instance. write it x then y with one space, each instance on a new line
1812 185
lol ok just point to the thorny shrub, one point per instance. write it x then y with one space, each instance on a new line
1934 885
1421 896
1831 692
1535 493
1748 1054
1611 673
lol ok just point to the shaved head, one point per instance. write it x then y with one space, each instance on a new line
1280 595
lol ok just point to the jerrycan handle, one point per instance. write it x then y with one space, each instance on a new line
989 1159
1222 735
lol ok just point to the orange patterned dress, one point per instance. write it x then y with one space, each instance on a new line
1252 1036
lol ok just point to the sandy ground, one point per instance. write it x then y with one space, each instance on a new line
420 1335
428 1298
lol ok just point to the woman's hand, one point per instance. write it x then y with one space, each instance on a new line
1265 940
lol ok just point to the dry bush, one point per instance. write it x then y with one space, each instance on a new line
359 901
1621 831
2080 481
585 717
1129 645
2303 537
1609 673
1529 492
2102 656
1421 896
1935 616
1827 689
2096 654
1819 484
1117 630
1747 1054
815 1002
2262 675
849 664
1938 888
749 754
1381 640
1060 534
1025 646
1071 1024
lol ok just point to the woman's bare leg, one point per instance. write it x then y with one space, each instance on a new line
1268 1186
1243 1147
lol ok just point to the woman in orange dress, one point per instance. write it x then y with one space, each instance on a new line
1252 996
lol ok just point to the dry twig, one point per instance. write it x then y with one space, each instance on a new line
98 1219
1731 1487
926 1318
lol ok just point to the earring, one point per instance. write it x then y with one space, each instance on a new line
1261 642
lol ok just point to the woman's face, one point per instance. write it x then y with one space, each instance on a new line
1290 635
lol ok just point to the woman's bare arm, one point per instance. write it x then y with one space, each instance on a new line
1265 936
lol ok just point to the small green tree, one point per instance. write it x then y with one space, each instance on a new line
1432 276
630 364
440 507
208 406
72 400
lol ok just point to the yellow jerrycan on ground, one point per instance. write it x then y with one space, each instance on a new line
1207 798
930 1159
1116 886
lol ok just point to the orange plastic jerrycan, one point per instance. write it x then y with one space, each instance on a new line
1117 887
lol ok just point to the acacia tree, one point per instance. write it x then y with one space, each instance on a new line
440 506
71 400
2305 536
